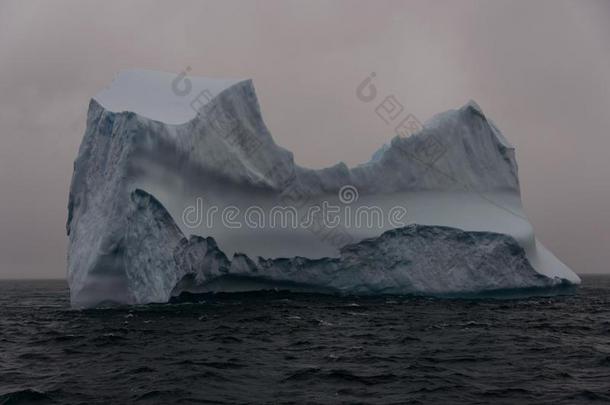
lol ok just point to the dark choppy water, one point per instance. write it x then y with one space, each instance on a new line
283 348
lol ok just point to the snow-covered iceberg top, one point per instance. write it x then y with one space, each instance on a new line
159 96
192 154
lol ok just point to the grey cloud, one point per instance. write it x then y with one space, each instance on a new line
540 69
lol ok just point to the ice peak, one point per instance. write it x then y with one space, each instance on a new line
473 106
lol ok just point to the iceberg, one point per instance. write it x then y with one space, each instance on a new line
178 187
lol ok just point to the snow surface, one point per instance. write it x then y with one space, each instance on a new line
151 94
226 155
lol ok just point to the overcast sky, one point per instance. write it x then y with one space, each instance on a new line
539 69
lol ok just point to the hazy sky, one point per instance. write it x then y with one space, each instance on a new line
539 69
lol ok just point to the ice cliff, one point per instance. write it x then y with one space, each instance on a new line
151 153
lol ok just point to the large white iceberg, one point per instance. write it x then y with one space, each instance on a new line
157 157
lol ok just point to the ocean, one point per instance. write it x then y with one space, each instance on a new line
278 347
